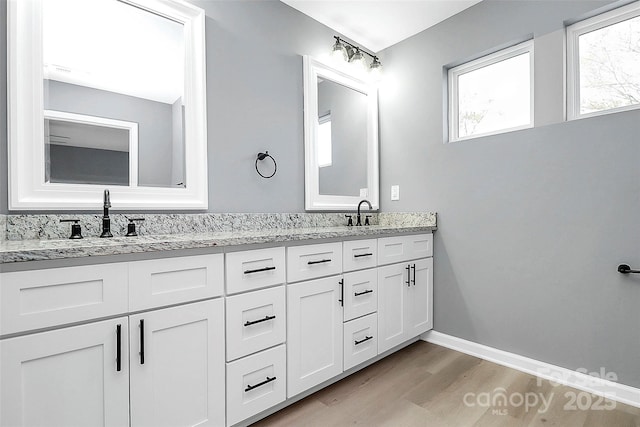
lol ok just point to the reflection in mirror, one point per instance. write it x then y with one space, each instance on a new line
131 72
342 139
88 150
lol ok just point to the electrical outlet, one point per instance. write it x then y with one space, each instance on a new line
395 192
364 193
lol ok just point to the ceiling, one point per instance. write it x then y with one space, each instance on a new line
378 24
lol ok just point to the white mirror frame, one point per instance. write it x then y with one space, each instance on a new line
314 201
27 187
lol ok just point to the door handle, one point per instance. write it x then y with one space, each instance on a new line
118 348
341 293
413 267
408 268
141 341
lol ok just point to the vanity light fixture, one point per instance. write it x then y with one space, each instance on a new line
344 51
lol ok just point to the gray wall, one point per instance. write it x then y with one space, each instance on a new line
88 165
155 145
348 171
531 224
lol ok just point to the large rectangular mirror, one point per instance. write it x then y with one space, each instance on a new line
341 139
107 93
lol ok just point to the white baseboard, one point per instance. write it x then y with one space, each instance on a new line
582 381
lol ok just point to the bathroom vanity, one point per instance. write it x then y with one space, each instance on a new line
225 331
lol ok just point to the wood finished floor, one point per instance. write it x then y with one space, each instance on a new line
425 385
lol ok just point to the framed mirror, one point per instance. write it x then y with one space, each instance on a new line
340 137
106 94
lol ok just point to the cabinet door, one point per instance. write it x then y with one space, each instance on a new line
177 370
67 377
421 299
393 290
314 333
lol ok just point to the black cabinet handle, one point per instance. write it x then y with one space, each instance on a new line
267 381
253 322
322 261
625 269
366 338
368 291
413 267
118 347
361 255
258 270
141 341
408 282
341 293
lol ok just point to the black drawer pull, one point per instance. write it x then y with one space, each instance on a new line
142 341
322 261
366 338
267 381
258 270
368 291
118 348
361 255
253 322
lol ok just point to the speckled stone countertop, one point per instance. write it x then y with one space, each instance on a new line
38 250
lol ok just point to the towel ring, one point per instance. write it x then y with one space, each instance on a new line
262 156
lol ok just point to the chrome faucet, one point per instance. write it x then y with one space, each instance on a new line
106 221
358 218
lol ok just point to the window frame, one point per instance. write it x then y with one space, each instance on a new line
573 32
484 61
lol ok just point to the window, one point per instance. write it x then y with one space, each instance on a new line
603 63
324 140
493 94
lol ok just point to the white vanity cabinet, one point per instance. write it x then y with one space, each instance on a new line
256 320
204 340
176 359
76 376
163 367
314 333
405 290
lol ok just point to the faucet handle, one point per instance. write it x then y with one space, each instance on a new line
131 227
366 219
76 229
350 220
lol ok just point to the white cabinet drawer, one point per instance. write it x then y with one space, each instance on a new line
404 248
50 297
360 293
255 321
359 254
160 282
249 270
311 261
360 340
255 383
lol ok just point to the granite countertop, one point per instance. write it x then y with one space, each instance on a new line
39 250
